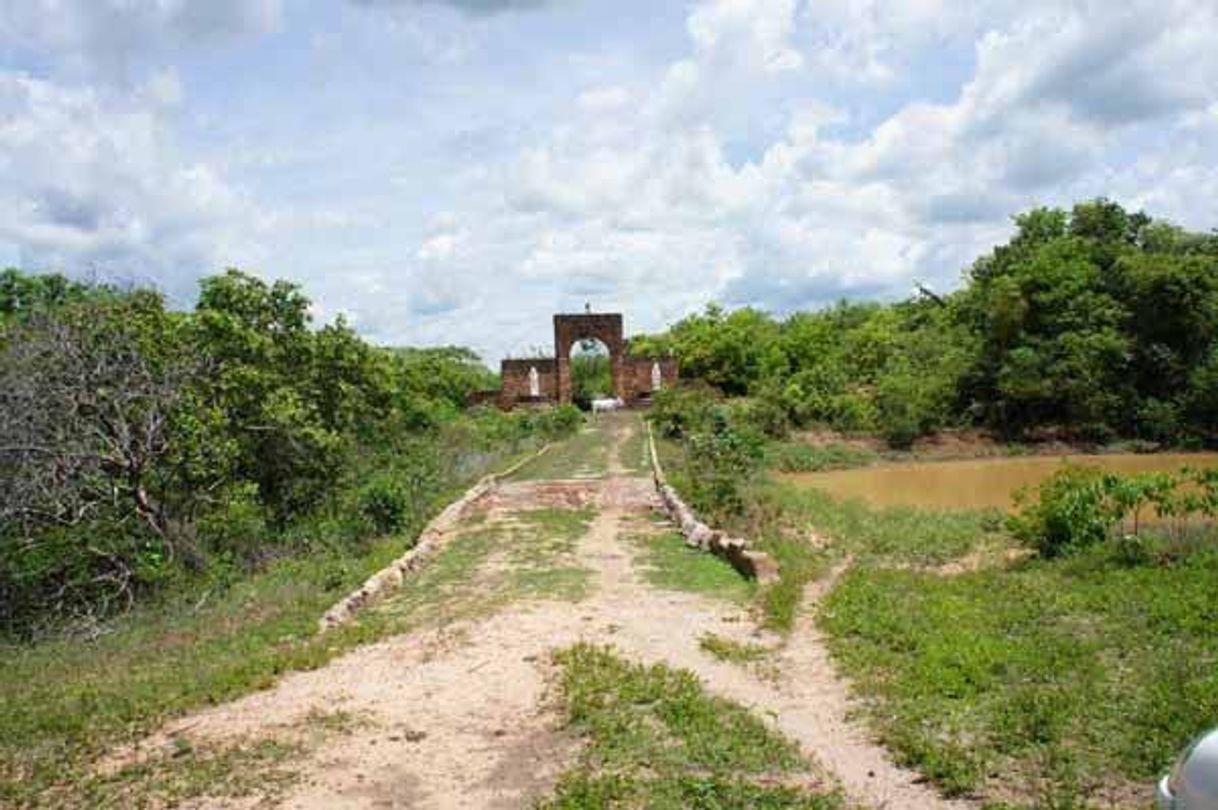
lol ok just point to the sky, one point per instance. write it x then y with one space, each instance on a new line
455 171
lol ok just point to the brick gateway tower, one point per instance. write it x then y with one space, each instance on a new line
547 380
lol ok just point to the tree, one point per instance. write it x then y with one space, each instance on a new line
88 396
257 338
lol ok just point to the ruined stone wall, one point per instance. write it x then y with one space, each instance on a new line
515 380
636 377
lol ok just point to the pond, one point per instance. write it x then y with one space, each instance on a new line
976 483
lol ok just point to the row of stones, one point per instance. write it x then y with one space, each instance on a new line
736 550
431 540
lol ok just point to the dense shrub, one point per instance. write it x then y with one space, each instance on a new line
1102 330
1079 507
140 445
675 412
720 459
560 421
1073 511
385 503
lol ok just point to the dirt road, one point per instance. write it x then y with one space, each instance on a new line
461 712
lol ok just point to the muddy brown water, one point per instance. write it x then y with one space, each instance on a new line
976 483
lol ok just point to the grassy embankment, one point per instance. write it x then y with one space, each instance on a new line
1027 681
1049 683
65 702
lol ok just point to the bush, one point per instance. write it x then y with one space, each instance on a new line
675 412
1159 421
384 502
1080 507
561 421
720 460
1073 511
765 413
238 527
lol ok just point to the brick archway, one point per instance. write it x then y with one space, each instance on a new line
541 381
568 329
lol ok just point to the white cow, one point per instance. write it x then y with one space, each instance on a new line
607 405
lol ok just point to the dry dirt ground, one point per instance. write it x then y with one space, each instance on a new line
462 713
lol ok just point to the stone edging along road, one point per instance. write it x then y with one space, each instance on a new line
751 563
430 541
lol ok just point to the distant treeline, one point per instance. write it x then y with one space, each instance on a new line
1096 323
142 449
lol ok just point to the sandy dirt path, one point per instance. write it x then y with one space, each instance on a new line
463 715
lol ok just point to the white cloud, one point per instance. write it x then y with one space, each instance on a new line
814 216
109 34
85 185
755 33
448 176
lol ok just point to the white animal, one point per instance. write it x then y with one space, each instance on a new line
607 405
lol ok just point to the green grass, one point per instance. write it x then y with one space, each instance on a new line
725 649
533 561
655 739
796 456
891 536
634 453
260 769
1049 681
541 556
263 768
586 454
63 702
666 562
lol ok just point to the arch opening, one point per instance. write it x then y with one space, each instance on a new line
591 370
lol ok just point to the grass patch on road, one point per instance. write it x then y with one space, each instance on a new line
541 553
261 770
1056 682
735 652
656 739
633 452
492 565
666 562
584 455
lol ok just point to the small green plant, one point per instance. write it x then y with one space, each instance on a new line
1080 507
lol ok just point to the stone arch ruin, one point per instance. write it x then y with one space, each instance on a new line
547 380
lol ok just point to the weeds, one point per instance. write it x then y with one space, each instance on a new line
735 652
1052 679
803 457
655 739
